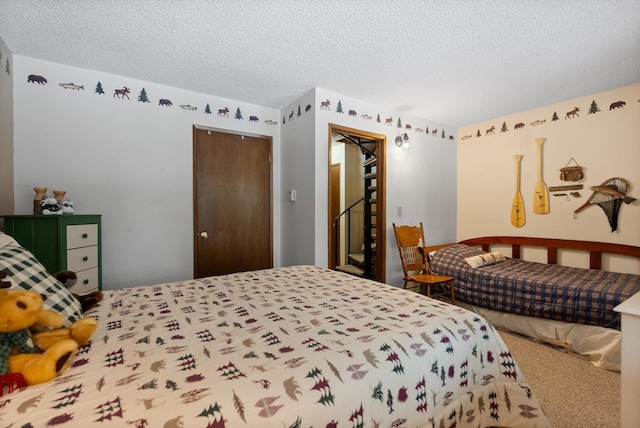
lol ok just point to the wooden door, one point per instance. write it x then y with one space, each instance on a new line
380 219
233 224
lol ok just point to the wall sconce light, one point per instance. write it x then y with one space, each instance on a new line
403 141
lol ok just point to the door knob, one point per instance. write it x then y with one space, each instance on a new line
204 235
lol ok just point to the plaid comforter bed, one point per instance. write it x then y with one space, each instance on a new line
585 296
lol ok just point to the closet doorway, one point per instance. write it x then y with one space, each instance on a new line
357 226
232 193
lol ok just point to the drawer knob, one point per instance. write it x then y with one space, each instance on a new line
85 282
85 236
85 258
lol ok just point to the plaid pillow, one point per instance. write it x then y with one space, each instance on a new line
26 272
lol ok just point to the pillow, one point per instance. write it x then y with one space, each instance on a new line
26 272
6 240
485 259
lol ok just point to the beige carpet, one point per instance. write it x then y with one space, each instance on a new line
573 392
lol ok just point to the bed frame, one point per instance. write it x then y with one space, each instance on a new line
595 249
598 344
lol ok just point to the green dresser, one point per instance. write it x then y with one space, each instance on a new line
63 242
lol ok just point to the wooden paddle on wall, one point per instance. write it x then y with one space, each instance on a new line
541 193
517 208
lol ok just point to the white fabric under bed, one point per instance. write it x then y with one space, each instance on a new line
601 346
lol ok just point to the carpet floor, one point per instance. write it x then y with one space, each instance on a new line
573 392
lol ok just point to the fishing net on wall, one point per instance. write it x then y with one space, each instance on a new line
609 203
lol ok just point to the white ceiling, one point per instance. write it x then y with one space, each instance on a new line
456 62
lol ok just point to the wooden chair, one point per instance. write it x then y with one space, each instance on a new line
410 240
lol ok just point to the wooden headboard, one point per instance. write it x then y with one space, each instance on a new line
595 249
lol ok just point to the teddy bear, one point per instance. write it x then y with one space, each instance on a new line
45 333
67 207
3 283
88 301
50 206
26 329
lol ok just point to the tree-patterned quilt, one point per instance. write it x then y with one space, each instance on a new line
299 346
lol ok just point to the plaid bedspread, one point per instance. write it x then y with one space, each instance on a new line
585 296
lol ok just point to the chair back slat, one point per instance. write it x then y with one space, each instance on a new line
409 239
412 258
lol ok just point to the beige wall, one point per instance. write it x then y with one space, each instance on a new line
606 143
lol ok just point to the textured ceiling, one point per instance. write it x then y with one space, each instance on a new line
457 62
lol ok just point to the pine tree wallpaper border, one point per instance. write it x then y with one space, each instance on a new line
122 93
570 115
326 106
143 97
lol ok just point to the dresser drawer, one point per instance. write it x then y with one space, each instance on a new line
82 235
82 258
87 282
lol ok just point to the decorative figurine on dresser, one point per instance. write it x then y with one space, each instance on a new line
63 242
56 205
